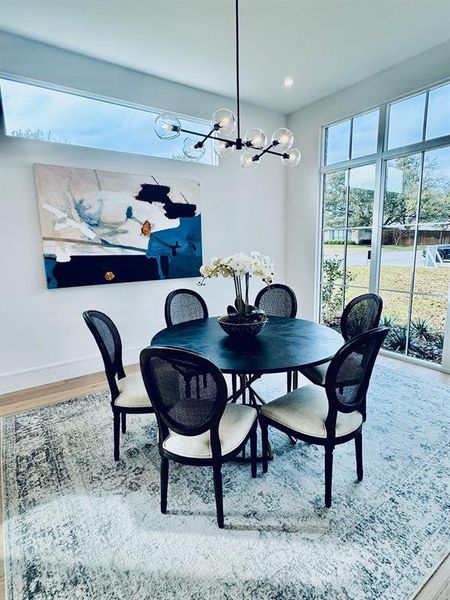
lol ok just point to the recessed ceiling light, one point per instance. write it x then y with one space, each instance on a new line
288 82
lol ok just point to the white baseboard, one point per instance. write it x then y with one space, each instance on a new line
26 378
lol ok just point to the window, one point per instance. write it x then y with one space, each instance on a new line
406 121
352 138
422 117
338 143
438 121
386 220
45 114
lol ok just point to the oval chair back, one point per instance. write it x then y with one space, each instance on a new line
361 314
184 305
348 375
188 392
108 340
277 300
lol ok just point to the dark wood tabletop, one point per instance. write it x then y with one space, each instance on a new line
284 344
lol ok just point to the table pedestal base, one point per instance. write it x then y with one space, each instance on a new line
250 396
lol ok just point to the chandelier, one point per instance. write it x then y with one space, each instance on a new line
224 122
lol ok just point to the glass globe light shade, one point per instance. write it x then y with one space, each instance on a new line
191 151
283 138
225 119
167 126
222 148
255 138
295 157
247 161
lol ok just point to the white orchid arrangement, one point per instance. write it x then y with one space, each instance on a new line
241 267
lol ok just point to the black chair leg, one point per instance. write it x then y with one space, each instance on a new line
289 381
363 408
359 457
328 475
116 423
124 422
164 483
234 386
265 444
253 441
218 493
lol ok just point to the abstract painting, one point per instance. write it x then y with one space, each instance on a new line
104 227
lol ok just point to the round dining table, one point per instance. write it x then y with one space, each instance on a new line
284 345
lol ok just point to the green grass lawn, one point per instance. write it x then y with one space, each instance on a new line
396 304
427 280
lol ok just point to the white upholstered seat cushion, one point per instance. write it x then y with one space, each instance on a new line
305 410
316 374
132 392
235 425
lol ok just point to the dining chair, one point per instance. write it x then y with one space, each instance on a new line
196 425
332 415
128 393
279 300
184 305
361 314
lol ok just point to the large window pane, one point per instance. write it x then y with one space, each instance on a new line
438 119
406 120
435 199
397 258
402 189
332 305
365 134
335 200
43 114
358 263
395 316
337 143
426 338
432 279
361 195
333 259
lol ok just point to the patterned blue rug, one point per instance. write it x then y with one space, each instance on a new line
80 527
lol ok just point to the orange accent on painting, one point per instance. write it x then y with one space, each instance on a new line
146 229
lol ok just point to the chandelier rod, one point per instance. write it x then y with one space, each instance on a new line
232 142
238 107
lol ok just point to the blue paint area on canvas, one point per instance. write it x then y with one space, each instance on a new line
181 245
49 262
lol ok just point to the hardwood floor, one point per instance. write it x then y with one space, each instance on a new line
436 588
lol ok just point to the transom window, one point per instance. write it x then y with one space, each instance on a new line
45 114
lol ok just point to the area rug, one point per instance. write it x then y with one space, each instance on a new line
79 526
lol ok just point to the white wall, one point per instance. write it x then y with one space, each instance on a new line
43 336
302 209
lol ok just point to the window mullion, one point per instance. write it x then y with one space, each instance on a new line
413 272
378 204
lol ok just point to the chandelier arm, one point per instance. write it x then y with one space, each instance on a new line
220 139
269 150
206 137
283 154
264 151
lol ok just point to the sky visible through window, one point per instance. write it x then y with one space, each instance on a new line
406 126
40 113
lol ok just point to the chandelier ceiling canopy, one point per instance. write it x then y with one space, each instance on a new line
224 122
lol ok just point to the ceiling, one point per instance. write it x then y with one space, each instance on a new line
325 45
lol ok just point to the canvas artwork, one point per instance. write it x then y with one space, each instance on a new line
103 227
